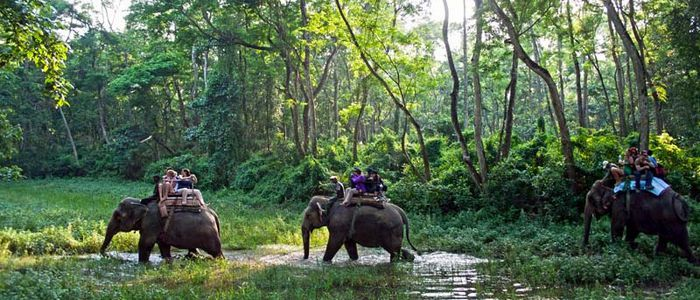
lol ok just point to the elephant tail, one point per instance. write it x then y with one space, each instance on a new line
680 207
405 221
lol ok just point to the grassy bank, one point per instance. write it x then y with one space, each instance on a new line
48 217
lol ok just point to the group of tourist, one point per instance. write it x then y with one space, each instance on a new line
370 184
183 184
637 163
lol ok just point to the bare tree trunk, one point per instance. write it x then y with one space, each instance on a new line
594 62
619 82
478 110
639 71
584 97
70 135
647 74
101 109
335 115
419 132
577 68
195 74
560 65
567 149
633 101
205 69
538 86
476 177
508 114
181 103
358 123
465 63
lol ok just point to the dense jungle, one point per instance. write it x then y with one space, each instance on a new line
491 122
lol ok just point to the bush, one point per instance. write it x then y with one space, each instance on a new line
11 173
269 178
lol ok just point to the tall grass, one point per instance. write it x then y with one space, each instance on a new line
69 216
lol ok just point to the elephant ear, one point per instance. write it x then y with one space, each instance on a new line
131 214
320 212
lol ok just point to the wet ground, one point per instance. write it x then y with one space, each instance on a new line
444 275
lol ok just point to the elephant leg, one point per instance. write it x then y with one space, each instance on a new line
680 239
214 248
145 248
661 245
164 250
351 247
631 236
405 254
334 244
617 227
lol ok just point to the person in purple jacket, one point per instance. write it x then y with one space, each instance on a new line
357 183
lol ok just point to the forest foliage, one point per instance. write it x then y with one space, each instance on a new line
271 98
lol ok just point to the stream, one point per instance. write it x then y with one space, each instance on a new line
444 275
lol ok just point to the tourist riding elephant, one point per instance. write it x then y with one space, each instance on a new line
665 216
374 227
186 230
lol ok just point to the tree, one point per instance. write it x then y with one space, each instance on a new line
567 149
28 32
639 73
453 104
478 110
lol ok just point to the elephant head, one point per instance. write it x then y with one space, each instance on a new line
315 216
127 217
599 202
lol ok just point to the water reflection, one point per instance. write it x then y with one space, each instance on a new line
443 275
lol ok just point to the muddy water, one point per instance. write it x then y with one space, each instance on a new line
443 275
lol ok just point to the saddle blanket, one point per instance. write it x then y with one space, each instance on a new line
659 186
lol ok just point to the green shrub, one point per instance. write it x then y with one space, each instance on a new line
270 179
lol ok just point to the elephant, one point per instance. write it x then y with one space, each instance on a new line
374 227
186 230
665 216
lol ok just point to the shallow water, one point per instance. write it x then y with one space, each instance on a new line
444 275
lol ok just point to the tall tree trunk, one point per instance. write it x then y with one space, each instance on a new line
181 103
538 85
508 114
567 149
358 123
195 74
577 68
647 74
639 71
70 135
205 69
101 109
465 64
310 108
419 132
561 66
335 115
476 177
594 62
294 105
619 82
478 110
630 89
584 96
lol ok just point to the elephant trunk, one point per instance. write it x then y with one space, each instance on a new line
587 215
112 229
306 234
